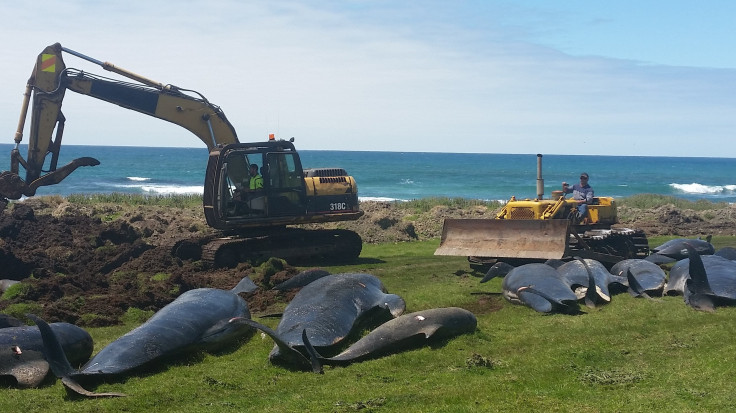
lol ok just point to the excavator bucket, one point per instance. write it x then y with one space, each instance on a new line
504 238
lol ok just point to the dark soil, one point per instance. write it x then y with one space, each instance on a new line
82 269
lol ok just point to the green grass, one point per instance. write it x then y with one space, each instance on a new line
644 201
630 355
417 205
426 204
16 290
174 201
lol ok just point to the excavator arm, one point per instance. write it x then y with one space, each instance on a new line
48 84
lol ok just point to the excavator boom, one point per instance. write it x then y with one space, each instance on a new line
45 92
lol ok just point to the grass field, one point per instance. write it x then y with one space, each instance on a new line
630 355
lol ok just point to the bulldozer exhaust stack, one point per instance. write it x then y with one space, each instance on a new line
540 181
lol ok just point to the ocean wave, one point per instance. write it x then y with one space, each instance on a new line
387 199
696 188
165 189
379 199
173 189
137 178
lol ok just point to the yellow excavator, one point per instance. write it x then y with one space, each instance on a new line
252 224
535 230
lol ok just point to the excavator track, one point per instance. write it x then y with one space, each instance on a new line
290 244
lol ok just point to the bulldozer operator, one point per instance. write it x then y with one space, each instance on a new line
582 193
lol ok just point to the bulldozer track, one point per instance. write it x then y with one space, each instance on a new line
622 242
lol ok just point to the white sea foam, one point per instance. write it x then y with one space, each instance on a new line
386 199
137 178
696 188
379 199
166 189
173 189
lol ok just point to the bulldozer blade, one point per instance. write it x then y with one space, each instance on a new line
504 238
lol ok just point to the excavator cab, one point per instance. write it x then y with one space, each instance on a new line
238 198
290 194
283 190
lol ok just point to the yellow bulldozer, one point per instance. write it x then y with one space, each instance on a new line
535 230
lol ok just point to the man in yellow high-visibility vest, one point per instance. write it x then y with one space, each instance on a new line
256 180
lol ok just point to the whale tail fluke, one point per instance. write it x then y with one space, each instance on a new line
286 351
58 362
246 285
698 293
52 349
313 354
635 288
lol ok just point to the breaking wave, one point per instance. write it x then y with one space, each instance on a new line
162 189
379 199
696 188
173 189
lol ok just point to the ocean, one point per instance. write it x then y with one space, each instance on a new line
410 175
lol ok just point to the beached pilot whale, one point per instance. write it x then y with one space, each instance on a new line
23 368
406 331
677 249
300 280
709 285
10 321
522 284
201 318
329 308
555 286
539 286
21 348
650 277
681 272
589 279
727 252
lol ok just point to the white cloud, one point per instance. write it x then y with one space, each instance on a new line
358 75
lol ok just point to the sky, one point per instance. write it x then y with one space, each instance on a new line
583 77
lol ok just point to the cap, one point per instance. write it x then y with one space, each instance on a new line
583 175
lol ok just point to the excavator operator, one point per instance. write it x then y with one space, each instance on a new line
250 189
256 180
